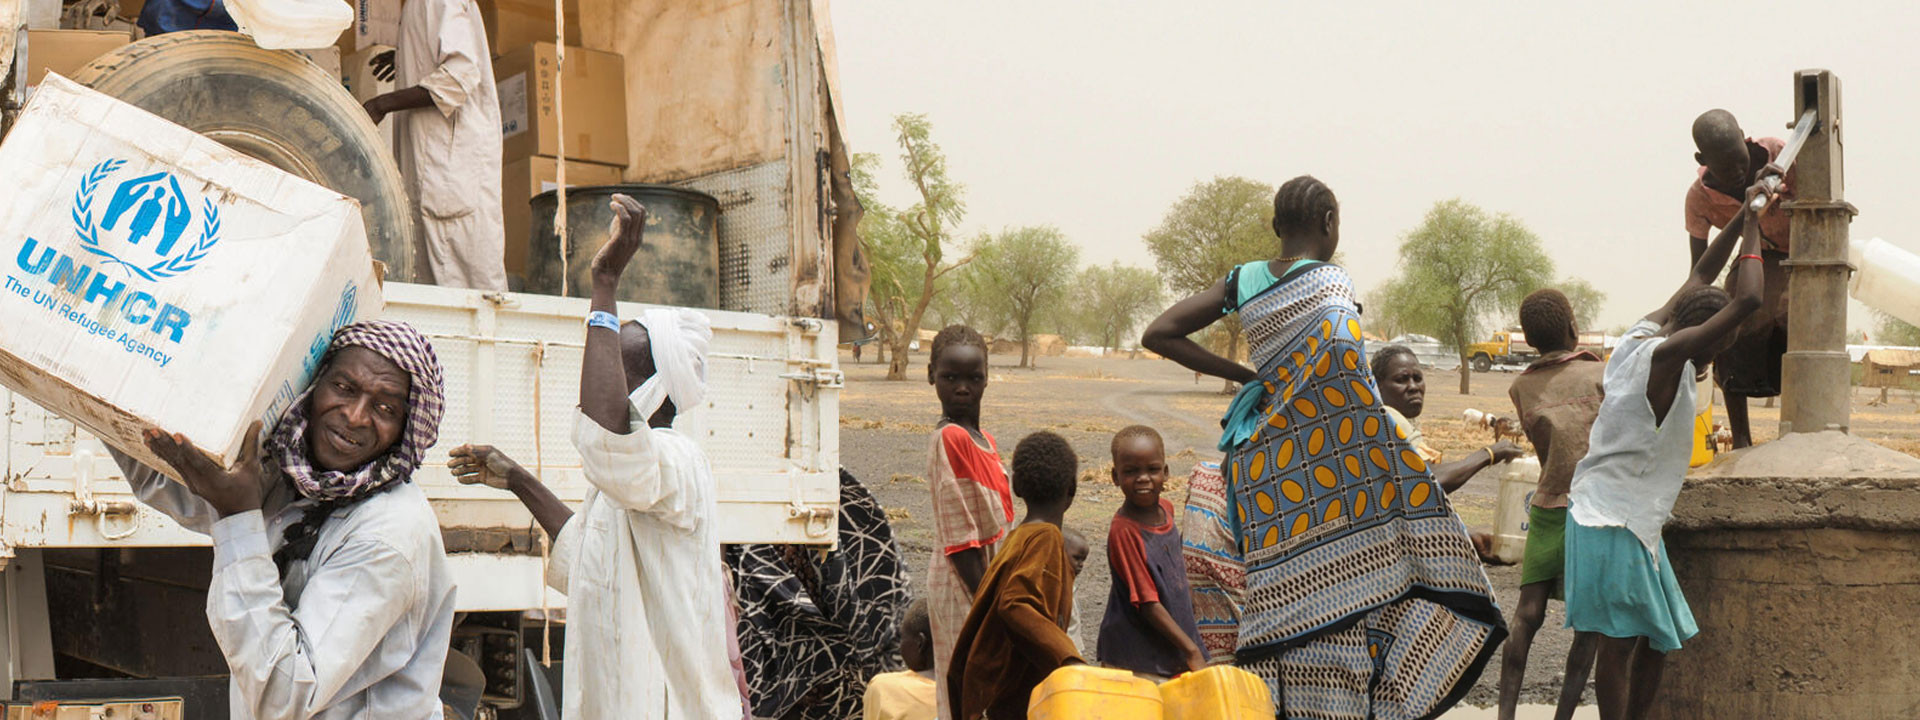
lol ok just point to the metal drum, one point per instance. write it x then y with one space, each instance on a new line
679 264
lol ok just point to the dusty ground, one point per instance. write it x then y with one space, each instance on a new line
885 428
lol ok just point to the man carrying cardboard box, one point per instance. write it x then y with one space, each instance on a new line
331 596
451 158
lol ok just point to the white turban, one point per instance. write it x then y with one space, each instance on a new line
679 339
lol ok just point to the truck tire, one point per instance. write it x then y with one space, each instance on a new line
275 106
1482 363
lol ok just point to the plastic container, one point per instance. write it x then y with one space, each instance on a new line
1518 481
291 24
1885 278
1085 692
1703 425
1221 692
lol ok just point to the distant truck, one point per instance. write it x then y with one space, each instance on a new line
1507 347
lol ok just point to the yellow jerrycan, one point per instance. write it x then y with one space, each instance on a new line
1703 424
1085 692
1221 692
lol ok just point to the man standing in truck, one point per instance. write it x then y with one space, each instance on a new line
640 563
331 596
1729 163
450 156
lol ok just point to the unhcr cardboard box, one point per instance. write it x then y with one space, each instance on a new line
152 278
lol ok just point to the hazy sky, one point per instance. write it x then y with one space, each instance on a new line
1574 118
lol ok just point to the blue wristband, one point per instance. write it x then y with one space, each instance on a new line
603 319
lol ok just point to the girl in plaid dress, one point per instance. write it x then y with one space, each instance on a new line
972 501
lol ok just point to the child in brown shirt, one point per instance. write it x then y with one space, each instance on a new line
1557 398
1013 638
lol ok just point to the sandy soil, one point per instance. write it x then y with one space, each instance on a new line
885 428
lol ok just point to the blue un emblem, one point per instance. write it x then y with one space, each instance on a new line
145 224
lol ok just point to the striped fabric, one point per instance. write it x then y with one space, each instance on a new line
1215 571
426 398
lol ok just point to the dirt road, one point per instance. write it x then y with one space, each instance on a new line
886 427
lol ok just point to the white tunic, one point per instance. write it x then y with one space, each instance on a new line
450 153
640 563
1634 468
359 630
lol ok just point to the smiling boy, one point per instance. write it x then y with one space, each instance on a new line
1149 626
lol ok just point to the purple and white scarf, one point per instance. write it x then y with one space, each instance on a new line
407 348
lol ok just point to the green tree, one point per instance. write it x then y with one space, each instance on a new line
1459 266
1116 300
1587 301
886 245
908 247
1024 272
1890 330
1218 224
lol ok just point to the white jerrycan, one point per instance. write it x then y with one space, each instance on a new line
291 24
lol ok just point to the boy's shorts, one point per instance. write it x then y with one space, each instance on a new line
1546 555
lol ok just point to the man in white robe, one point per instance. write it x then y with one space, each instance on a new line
450 156
330 597
640 562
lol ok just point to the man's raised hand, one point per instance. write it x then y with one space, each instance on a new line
230 492
485 465
625 234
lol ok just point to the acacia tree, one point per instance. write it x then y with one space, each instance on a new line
885 244
1117 299
1587 301
1026 271
1218 224
908 248
1458 267
1890 330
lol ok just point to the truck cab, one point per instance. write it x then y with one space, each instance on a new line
1505 347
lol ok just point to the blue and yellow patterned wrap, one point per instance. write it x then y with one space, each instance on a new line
1364 597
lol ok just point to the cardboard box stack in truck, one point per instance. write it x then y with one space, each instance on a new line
249 262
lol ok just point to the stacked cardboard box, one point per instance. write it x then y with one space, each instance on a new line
357 73
595 97
66 51
512 24
375 22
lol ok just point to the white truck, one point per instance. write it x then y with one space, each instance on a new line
102 599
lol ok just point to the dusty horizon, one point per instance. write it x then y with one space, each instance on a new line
1097 117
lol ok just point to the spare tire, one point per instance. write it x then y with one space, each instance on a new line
275 106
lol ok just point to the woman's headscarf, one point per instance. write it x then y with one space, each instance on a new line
407 348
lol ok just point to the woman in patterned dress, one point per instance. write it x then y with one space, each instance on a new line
1364 598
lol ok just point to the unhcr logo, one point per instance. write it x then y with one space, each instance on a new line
140 230
148 215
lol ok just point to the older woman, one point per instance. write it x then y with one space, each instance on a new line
1364 598
1403 390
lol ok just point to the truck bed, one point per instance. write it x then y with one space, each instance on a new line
770 426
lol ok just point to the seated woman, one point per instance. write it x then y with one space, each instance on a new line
1363 597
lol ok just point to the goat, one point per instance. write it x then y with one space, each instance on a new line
1501 426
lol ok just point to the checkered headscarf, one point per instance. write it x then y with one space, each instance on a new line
407 348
